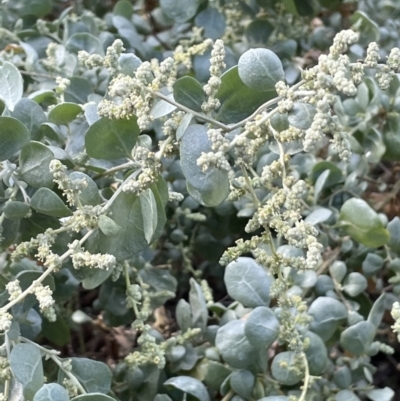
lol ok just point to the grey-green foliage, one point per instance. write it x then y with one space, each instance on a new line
104 200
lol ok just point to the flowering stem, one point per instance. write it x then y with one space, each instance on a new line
118 191
69 374
29 290
184 108
306 379
115 169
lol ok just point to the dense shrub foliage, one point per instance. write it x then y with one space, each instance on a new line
199 200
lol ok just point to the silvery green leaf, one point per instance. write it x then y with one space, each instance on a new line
234 346
327 314
362 223
354 284
111 139
279 122
49 203
262 327
342 377
319 215
324 284
51 392
183 315
289 148
183 125
84 41
320 184
260 69
13 137
338 270
248 282
179 10
377 311
162 108
209 187
34 160
380 394
237 99
316 353
189 385
129 63
357 338
346 395
302 115
16 210
394 231
91 113
198 306
282 368
242 383
162 397
93 397
11 85
149 213
64 113
26 365
94 376
89 195
372 264
213 22
108 225
189 92
31 115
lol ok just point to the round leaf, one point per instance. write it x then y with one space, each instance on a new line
179 10
301 116
212 21
354 284
372 264
242 383
31 115
211 186
111 139
51 392
262 327
47 202
94 376
11 85
84 41
260 69
16 210
338 270
234 346
64 113
357 338
248 282
346 395
34 160
189 385
327 314
362 223
238 100
283 369
90 194
26 365
316 354
189 92
13 137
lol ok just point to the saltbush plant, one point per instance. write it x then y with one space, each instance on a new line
219 178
